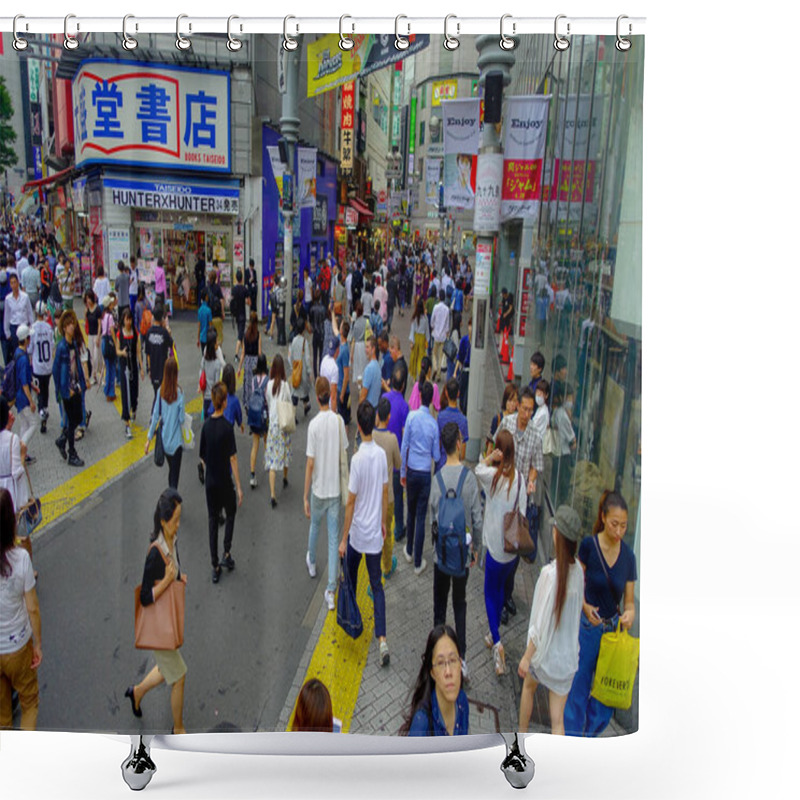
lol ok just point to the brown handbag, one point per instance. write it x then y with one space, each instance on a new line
159 626
516 534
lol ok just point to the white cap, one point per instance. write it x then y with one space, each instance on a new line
41 308
23 332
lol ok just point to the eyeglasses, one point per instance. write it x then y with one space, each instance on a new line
441 664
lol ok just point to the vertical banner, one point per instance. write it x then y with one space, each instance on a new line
433 174
306 177
277 167
488 188
461 141
526 133
347 125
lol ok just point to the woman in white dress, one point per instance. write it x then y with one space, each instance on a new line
279 444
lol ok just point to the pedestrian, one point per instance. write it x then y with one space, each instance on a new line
203 319
108 338
217 304
211 365
251 286
462 367
160 281
420 447
130 366
439 705
101 286
457 305
343 364
238 308
327 439
536 369
387 441
508 406
159 346
200 276
566 442
419 337
385 360
396 424
440 329
358 339
45 279
279 444
70 384
426 375
12 459
42 352
391 299
17 310
329 369
20 624
397 359
317 316
506 312
364 529
456 481
298 354
371 386
252 350
25 389
233 408
169 411
122 287
452 413
218 453
609 567
381 295
314 710
162 567
257 412
505 490
541 417
30 277
66 285
340 305
551 655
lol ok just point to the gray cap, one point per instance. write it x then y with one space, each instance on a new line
568 523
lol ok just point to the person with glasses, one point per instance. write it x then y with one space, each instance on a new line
439 705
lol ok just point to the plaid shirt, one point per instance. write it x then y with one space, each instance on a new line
527 446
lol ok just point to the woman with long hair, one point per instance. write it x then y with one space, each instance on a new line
129 355
211 364
20 624
299 351
610 574
508 406
439 705
170 410
252 350
425 373
70 384
279 444
358 344
93 315
314 709
551 657
161 568
258 385
419 336
109 348
505 490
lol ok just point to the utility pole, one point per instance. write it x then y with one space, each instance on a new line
290 131
491 59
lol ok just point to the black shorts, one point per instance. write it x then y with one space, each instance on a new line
240 329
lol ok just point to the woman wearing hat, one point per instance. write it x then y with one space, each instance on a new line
551 657
109 350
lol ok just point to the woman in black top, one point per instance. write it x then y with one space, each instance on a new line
161 568
93 315
130 365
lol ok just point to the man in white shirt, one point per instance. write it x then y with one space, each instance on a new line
29 277
43 350
440 328
367 507
326 439
330 370
17 311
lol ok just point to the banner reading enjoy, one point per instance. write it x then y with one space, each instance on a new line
306 177
526 132
461 141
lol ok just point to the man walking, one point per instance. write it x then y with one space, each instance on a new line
371 386
440 328
367 505
397 424
326 440
218 453
159 344
387 441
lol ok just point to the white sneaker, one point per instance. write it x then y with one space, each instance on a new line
128 434
407 557
312 568
383 650
253 481
329 599
421 568
464 672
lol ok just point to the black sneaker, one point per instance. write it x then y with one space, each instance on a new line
88 418
201 473
61 444
43 426
511 606
30 459
228 562
504 616
215 573
74 461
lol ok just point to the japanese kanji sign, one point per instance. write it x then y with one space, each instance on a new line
145 114
525 125
348 123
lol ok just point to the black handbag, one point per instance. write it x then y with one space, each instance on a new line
158 455
348 614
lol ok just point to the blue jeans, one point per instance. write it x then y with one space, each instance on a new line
583 715
399 514
418 492
494 594
451 368
351 563
109 390
329 508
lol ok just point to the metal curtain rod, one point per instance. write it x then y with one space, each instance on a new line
457 26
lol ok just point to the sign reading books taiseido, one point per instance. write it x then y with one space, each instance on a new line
143 114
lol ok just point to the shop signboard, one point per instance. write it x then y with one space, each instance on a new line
143 114
119 248
329 66
168 195
443 90
306 177
383 53
319 222
347 125
483 268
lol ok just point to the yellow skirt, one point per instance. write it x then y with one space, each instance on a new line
418 351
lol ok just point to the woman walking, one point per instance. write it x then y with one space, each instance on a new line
93 315
298 352
129 354
561 422
505 491
279 444
259 433
252 350
170 410
419 336
161 568
551 656
425 372
12 467
610 574
439 705
508 406
211 365
358 341
70 383
109 347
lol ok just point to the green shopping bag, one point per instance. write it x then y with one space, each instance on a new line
616 669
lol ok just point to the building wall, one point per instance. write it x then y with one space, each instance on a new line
10 72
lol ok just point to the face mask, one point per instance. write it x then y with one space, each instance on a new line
539 400
568 405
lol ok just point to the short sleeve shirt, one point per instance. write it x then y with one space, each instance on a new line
341 362
325 434
217 445
15 627
372 382
368 474
452 415
329 370
598 592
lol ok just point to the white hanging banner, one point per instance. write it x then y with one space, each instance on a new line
277 166
306 177
488 186
433 174
462 136
525 136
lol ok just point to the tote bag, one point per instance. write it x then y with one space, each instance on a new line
348 614
286 419
616 669
159 626
516 531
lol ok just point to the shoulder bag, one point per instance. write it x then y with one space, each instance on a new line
286 419
29 517
516 532
159 626
550 442
158 454
297 368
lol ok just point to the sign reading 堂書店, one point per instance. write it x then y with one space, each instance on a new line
145 114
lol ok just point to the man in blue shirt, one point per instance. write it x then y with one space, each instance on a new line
397 422
453 414
420 446
385 358
203 319
462 367
371 384
343 362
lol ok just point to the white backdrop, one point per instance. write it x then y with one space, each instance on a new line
719 548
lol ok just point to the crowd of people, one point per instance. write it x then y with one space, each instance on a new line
404 421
